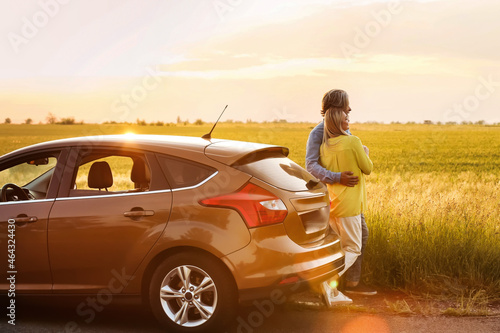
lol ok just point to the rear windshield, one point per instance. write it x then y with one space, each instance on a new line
281 172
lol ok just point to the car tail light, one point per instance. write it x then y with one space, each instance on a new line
257 206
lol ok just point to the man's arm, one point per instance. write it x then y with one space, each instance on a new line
312 161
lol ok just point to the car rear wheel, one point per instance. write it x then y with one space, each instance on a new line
190 292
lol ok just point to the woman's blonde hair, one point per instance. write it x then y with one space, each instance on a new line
335 99
334 103
333 124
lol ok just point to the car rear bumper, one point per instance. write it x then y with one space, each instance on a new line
273 264
281 289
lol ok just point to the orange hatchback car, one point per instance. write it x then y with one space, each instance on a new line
193 226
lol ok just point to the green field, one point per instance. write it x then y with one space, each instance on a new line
434 195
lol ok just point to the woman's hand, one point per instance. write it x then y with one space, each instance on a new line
367 151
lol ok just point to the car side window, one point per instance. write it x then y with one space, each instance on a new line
109 173
31 175
183 173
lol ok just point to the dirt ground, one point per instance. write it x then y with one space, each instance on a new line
388 311
400 303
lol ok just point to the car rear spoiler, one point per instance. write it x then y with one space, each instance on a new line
262 154
238 153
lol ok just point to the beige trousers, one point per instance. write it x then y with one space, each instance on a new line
349 231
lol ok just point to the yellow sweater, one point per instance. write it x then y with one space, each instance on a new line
346 153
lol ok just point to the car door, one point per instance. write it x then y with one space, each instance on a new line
23 223
98 232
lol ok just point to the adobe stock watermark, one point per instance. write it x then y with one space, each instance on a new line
88 308
131 100
462 111
11 270
31 26
371 30
263 309
283 115
223 7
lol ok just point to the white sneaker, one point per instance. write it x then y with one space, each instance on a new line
330 298
340 299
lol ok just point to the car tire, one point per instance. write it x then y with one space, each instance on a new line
192 292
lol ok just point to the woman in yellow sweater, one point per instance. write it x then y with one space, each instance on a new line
339 152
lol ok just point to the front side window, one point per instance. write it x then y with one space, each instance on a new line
31 175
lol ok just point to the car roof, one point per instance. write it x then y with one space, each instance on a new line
126 140
225 151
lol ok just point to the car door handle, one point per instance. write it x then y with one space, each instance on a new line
139 213
26 219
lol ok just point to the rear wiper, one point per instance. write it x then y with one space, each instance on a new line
312 184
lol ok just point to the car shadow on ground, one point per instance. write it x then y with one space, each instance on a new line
81 314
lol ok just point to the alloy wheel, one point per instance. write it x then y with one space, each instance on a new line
188 296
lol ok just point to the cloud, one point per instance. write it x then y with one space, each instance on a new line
439 29
263 56
253 67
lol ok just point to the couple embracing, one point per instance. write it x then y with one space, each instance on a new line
339 160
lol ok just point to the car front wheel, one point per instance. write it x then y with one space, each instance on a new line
190 292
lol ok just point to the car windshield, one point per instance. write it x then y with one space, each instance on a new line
281 172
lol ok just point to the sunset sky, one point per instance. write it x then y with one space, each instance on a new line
120 60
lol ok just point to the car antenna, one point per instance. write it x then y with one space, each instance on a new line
208 136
